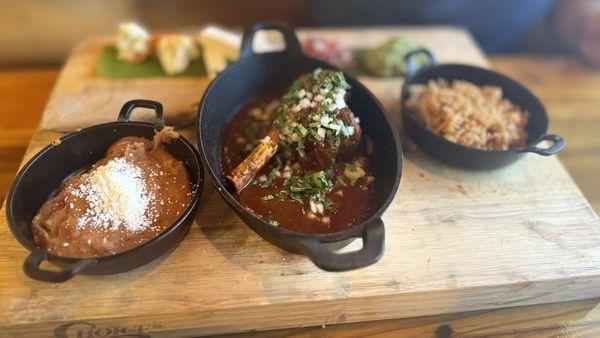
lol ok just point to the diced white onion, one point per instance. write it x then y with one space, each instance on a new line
321 131
320 207
313 207
304 103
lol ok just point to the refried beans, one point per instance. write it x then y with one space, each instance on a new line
130 196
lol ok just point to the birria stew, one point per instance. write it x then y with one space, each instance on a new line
300 160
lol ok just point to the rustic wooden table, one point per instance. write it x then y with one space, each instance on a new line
568 89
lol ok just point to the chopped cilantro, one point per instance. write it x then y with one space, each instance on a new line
252 133
265 184
282 194
338 140
277 167
272 174
314 187
324 83
285 147
329 205
302 130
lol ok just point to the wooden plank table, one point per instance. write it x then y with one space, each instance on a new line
468 323
574 115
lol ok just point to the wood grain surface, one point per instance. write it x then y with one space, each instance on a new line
80 98
23 96
466 323
574 116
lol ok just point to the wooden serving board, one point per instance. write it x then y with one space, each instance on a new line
455 241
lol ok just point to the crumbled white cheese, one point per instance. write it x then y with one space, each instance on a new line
116 194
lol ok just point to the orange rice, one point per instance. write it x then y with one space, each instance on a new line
465 113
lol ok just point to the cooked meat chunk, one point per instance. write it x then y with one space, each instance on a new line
349 145
331 148
312 124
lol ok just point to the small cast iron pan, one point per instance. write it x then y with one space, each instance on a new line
467 157
256 74
45 172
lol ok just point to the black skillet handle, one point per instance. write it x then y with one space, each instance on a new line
409 58
372 250
129 106
31 266
557 144
292 45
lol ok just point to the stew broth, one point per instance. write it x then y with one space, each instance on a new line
347 202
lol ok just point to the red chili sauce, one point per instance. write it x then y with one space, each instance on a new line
348 200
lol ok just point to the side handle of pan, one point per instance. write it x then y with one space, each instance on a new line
373 246
31 267
411 65
129 106
557 144
292 45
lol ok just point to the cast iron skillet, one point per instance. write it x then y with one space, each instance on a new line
467 157
256 74
46 171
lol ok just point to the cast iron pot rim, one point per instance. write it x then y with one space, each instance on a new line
64 259
424 72
339 235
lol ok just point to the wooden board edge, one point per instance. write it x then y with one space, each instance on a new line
328 312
